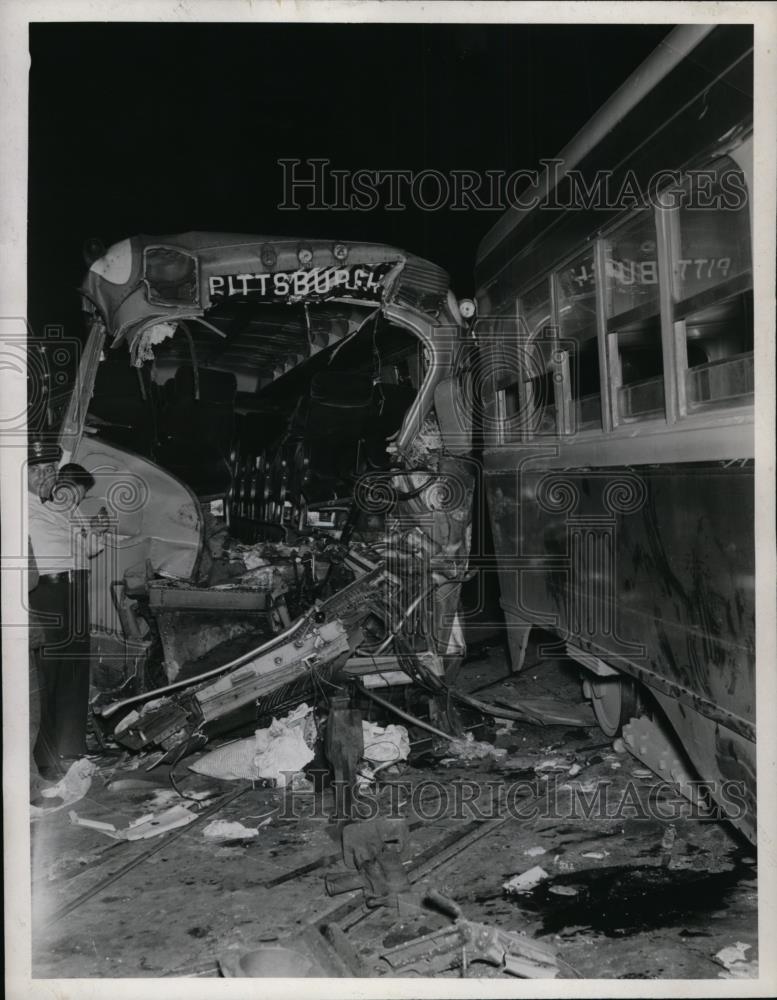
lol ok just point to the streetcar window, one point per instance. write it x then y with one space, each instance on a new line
535 313
712 287
641 363
631 298
632 267
576 291
534 310
714 230
500 382
719 343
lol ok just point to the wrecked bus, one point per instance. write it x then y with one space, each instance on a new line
616 374
265 420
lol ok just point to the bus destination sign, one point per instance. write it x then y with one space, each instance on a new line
361 281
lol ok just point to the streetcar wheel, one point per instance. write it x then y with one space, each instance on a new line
614 701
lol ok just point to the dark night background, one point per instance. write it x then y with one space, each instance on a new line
163 128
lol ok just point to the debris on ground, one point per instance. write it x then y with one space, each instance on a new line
525 881
734 961
552 764
466 941
468 748
273 754
150 825
385 744
220 830
70 789
563 890
373 851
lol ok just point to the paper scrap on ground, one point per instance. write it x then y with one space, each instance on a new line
526 880
552 764
73 787
735 963
150 825
563 890
468 748
220 830
274 753
732 955
741 970
534 852
384 745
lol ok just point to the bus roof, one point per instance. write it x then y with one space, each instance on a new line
168 277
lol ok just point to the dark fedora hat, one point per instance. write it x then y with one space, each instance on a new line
40 452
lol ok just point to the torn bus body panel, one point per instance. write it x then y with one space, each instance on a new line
295 384
168 722
279 673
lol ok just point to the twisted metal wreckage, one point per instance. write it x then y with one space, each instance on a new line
341 364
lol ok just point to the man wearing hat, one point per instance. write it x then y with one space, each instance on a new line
42 461
53 607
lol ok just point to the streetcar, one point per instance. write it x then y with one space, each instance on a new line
616 405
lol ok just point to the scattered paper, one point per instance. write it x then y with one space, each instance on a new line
468 748
282 750
563 890
150 825
733 954
163 798
385 745
552 764
156 823
220 830
741 970
526 880
534 852
72 788
274 753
